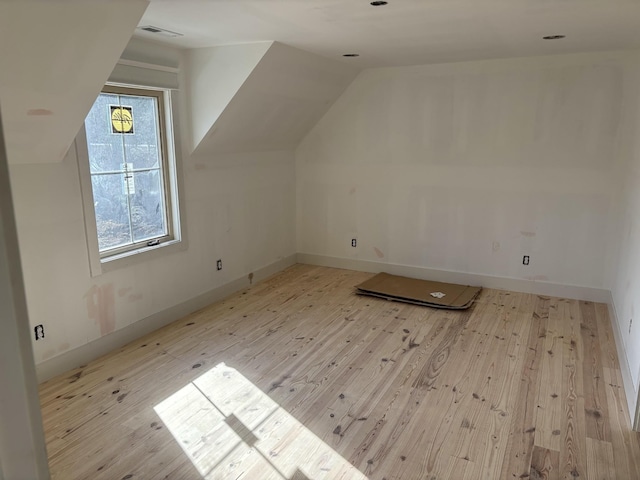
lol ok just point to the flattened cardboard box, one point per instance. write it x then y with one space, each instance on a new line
419 292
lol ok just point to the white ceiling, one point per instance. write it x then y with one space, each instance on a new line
404 32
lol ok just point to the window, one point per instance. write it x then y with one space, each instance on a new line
131 167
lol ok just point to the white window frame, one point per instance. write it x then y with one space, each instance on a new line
175 241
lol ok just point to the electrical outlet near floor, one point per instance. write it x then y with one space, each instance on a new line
354 242
525 260
38 330
219 265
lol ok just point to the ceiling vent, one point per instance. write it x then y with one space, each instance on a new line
160 31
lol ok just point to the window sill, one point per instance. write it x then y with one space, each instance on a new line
125 259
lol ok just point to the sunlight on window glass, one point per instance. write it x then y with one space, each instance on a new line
230 429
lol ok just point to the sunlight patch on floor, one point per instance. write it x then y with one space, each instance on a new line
230 429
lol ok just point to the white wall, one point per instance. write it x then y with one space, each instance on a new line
467 167
238 207
625 245
22 447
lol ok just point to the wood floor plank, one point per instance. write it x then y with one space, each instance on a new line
544 464
549 402
500 372
573 430
600 463
594 394
519 447
609 355
334 385
477 379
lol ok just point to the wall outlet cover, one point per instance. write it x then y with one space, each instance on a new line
38 330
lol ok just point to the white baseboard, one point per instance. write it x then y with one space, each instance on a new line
95 349
627 378
448 276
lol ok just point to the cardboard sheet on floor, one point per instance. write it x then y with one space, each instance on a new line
419 292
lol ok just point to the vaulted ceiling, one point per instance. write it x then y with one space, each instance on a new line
56 56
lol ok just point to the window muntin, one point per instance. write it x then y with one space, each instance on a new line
128 165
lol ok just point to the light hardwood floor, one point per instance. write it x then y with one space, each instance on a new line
298 378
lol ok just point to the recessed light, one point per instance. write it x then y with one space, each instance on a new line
553 37
351 55
379 3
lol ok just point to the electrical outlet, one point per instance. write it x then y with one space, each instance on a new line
219 265
354 242
39 331
525 260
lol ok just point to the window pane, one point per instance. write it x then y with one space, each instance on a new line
141 147
142 156
127 168
112 210
147 206
105 148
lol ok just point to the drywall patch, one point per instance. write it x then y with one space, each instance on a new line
101 303
527 234
378 252
136 297
352 191
199 166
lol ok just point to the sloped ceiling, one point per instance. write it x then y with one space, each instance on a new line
214 77
286 93
55 58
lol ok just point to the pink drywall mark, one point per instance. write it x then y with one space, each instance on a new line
101 307
538 278
378 252
200 166
528 234
64 347
123 291
135 297
39 112
48 354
